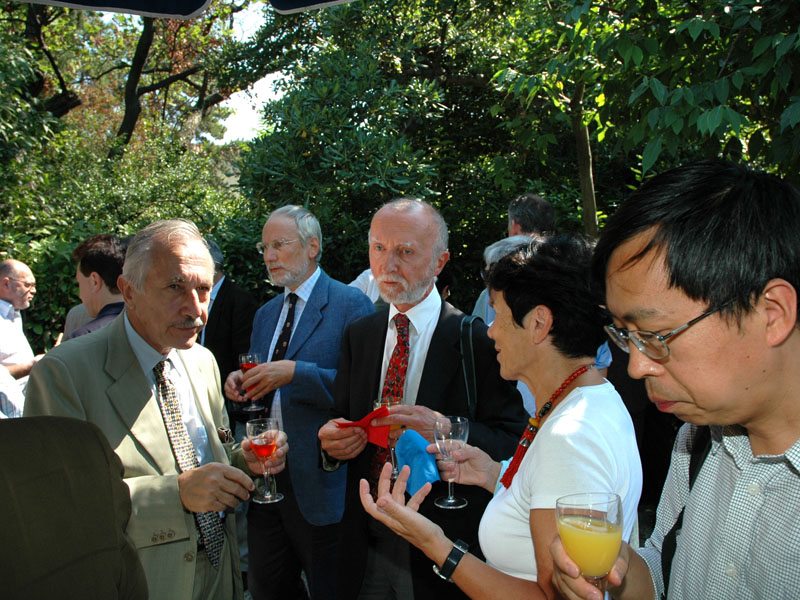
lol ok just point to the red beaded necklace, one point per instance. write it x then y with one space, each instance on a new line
533 427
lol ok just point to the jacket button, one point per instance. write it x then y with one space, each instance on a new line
188 557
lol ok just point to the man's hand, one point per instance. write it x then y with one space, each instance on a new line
419 418
213 487
266 377
472 466
567 576
23 369
233 387
277 462
344 443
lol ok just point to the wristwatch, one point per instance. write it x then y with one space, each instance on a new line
460 548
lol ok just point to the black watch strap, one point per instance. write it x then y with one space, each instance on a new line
460 548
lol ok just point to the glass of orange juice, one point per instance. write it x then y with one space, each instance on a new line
590 526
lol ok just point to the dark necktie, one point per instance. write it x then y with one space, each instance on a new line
392 392
209 523
282 344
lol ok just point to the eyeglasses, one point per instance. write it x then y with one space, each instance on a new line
27 285
277 245
651 343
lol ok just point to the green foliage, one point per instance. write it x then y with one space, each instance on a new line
668 80
24 127
84 193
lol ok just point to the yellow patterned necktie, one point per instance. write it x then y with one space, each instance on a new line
209 523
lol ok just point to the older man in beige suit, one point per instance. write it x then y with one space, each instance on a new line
157 398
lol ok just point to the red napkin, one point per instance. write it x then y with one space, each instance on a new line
377 435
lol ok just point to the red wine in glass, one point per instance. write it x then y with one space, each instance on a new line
262 448
247 362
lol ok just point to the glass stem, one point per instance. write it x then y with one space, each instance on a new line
450 490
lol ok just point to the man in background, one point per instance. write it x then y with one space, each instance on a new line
17 289
227 332
99 261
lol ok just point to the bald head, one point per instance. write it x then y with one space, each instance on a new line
17 283
407 250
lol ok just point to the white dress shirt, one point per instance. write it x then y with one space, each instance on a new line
14 346
423 319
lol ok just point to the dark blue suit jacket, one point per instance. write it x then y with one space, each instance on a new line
306 402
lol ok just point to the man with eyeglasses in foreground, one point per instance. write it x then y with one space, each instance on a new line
701 272
299 335
17 289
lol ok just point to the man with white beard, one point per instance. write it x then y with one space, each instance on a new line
298 334
407 250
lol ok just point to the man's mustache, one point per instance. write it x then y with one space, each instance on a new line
198 322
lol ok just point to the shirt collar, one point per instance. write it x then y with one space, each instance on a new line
304 290
736 443
7 310
147 356
216 287
423 313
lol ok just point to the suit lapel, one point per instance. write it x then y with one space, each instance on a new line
311 317
442 361
132 398
201 400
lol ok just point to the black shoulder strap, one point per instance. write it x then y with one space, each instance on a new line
468 364
701 445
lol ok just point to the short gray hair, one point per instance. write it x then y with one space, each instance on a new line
504 247
407 204
138 256
307 224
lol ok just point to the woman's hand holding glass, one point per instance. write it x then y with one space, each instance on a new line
469 466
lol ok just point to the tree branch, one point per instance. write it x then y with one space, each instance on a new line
183 75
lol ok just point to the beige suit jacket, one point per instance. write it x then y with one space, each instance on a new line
97 377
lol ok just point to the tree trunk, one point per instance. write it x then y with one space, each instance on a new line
132 105
584 151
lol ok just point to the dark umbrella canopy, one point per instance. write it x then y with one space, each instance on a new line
178 9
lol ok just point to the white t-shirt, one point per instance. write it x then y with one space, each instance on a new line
586 444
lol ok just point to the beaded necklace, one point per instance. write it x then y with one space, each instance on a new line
533 427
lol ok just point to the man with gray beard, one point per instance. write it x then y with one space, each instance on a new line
407 250
298 333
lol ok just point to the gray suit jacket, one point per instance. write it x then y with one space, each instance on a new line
97 378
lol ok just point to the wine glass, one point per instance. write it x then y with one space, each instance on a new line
450 434
263 436
247 362
590 526
390 401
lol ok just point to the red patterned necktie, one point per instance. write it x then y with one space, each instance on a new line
209 523
392 392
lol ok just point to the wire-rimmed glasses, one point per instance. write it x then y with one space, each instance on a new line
276 245
650 343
